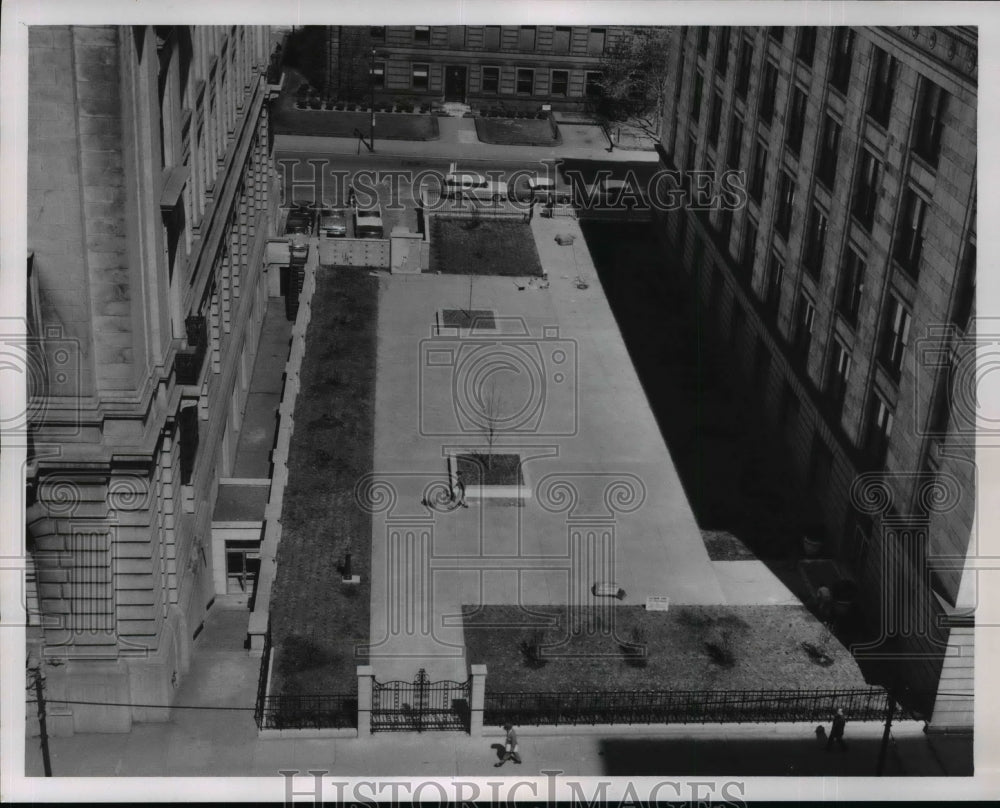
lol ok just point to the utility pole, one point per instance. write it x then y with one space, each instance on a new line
38 684
371 84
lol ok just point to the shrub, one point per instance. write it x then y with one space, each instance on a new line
532 649
720 648
425 107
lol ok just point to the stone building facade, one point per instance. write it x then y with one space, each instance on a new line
517 66
149 205
843 291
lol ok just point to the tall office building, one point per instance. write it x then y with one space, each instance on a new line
520 66
149 205
844 289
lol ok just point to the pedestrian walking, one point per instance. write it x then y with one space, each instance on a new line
837 731
458 492
511 751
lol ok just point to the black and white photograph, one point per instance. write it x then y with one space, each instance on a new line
580 402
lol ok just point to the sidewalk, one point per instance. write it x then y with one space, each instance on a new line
458 141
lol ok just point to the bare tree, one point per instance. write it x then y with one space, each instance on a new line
493 414
634 78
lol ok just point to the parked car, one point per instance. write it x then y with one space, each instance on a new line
299 220
332 223
544 188
470 185
368 222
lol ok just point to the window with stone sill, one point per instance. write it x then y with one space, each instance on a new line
883 87
796 121
895 337
880 420
806 48
758 171
910 232
722 51
812 258
866 189
746 63
843 57
929 121
852 285
786 204
826 171
769 87
840 372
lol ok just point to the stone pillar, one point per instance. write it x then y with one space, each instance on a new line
365 676
477 701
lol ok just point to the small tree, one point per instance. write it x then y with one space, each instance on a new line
633 78
492 415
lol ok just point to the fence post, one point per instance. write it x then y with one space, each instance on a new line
365 676
478 700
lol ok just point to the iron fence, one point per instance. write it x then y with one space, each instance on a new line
420 705
683 707
265 660
293 711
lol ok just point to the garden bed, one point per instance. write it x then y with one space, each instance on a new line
288 120
518 131
483 247
490 469
686 648
317 622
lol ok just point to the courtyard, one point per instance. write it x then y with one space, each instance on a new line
575 504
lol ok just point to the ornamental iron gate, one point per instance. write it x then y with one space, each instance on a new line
420 705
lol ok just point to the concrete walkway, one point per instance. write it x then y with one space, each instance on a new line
458 141
253 451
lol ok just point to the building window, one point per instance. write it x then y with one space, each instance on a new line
965 297
895 337
703 33
748 247
852 284
378 75
592 84
491 80
776 32
746 62
595 42
769 87
796 121
526 37
866 189
883 87
757 172
927 134
827 170
560 82
561 39
692 155
879 430
419 77
735 143
421 34
726 225
806 49
492 37
910 232
722 52
377 32
696 93
772 285
786 204
843 55
715 119
525 81
812 260
840 371
805 318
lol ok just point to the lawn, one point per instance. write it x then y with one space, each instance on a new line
317 621
687 648
517 132
483 247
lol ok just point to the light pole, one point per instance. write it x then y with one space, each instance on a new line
371 82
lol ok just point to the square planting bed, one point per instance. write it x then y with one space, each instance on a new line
489 474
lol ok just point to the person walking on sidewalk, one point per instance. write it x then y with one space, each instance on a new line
837 731
511 752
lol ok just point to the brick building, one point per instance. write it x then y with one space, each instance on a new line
518 66
149 207
843 294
